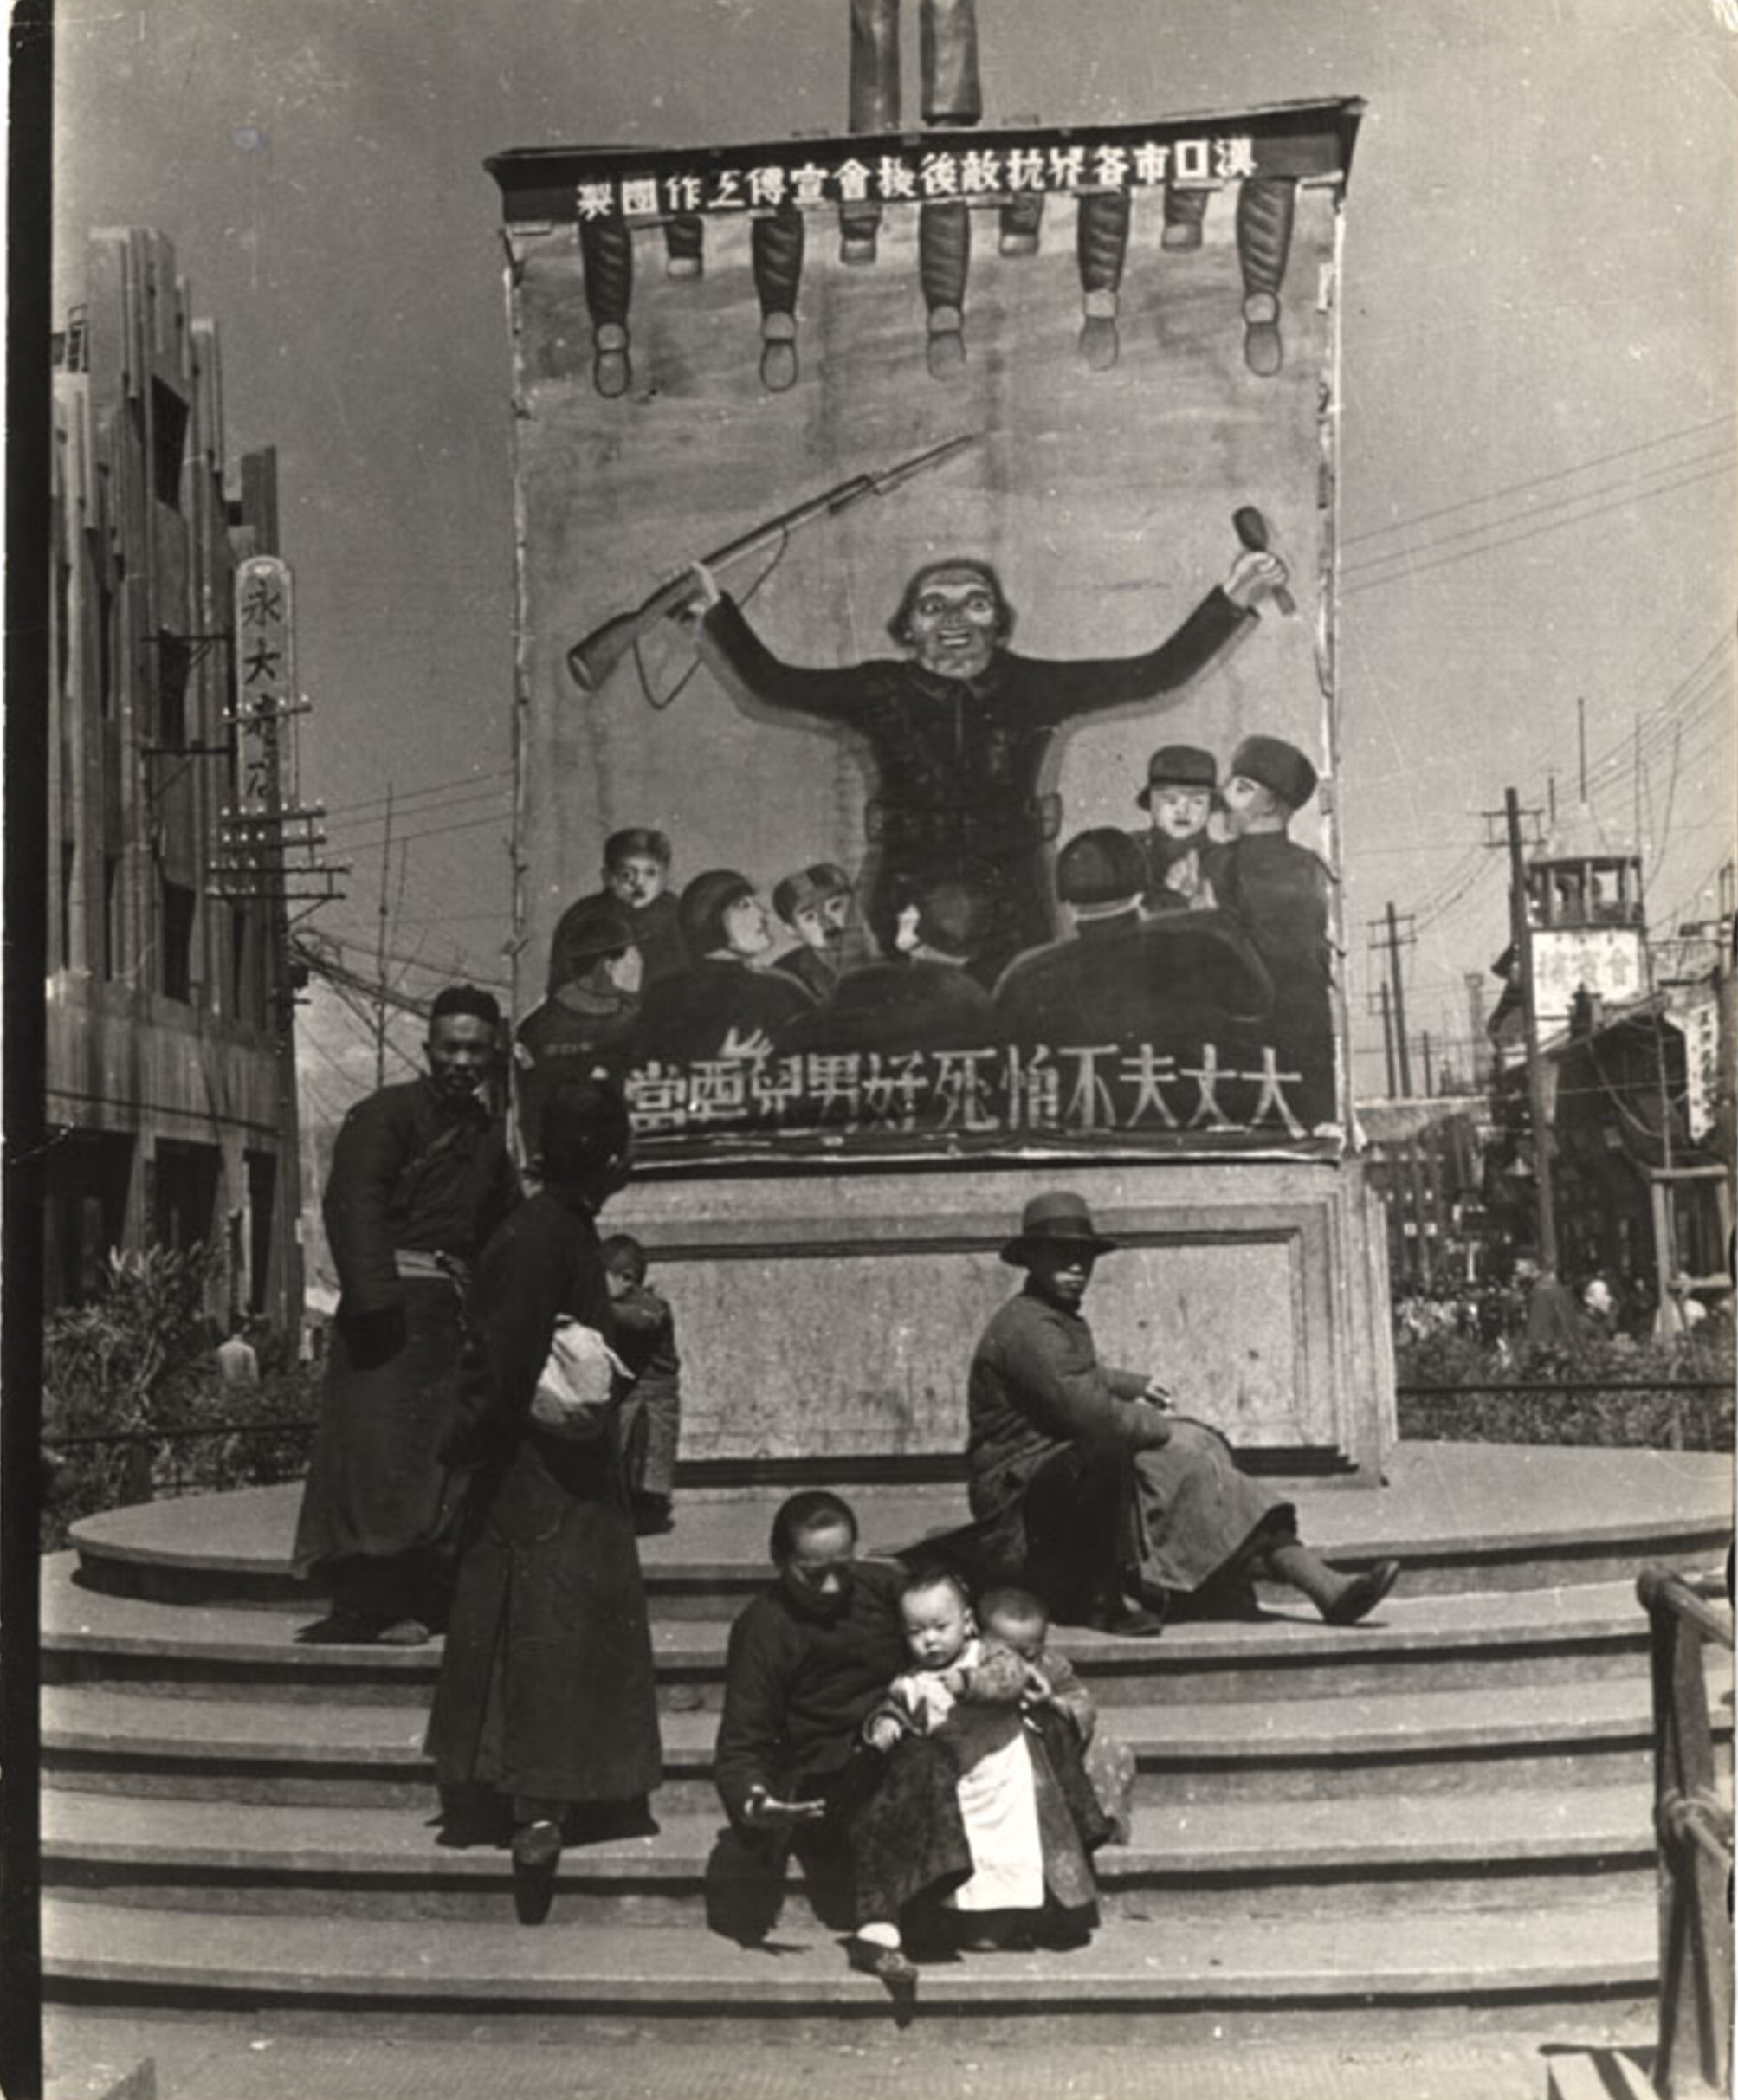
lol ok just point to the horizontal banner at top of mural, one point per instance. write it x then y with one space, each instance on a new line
1293 142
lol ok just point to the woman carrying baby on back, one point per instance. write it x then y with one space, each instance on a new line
1030 1814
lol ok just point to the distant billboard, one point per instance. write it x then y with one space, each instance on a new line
925 724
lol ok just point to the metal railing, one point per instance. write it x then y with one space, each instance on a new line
158 1469
1693 1824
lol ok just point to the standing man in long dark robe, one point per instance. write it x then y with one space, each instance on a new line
420 1177
545 1704
1084 1481
960 729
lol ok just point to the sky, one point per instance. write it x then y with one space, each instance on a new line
1537 426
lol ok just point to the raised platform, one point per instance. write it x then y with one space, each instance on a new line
1498 1516
1436 1824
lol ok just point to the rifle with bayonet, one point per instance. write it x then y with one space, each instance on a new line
592 659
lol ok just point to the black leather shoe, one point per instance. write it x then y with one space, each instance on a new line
1362 1594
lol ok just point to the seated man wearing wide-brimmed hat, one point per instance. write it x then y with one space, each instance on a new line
1084 1481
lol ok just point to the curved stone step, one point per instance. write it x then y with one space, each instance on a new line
96 1739
1500 1637
1518 1847
1169 1979
1459 1516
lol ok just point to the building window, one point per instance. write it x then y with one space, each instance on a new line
107 652
70 865
262 1182
168 442
184 1194
178 908
63 630
174 672
111 915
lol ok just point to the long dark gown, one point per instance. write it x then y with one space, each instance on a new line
546 1690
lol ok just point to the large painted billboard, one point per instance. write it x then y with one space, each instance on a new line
926 723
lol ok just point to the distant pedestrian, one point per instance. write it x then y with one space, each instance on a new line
238 1362
420 1177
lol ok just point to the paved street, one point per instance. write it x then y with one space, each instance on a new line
195 2060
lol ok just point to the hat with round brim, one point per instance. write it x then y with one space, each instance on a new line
1184 765
1056 1218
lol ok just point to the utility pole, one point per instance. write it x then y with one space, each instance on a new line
1395 1006
266 846
1430 1080
380 950
1388 1040
1521 932
1581 740
1479 1057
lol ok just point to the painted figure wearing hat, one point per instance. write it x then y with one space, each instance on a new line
420 1177
1278 891
727 1002
960 732
1174 981
928 990
585 1028
1179 798
1088 1487
819 905
636 873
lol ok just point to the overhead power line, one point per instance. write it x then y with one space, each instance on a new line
1537 481
1403 566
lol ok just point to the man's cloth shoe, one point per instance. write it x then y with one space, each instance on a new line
1131 1621
891 1965
401 1633
1362 1594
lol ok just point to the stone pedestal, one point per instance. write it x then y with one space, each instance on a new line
833 1314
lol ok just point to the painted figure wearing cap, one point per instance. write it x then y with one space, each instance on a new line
636 873
819 905
961 732
1178 798
1173 981
420 1177
727 1002
585 1027
1278 891
1086 1484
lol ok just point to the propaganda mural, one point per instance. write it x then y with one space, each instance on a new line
926 698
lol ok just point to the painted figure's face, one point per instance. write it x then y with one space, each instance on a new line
621 1281
818 1570
816 928
1061 1272
460 1049
836 910
953 624
747 929
1245 800
636 879
1180 812
625 972
905 930
1596 1297
937 1626
1018 1631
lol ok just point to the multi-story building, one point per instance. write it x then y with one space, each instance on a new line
171 1081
